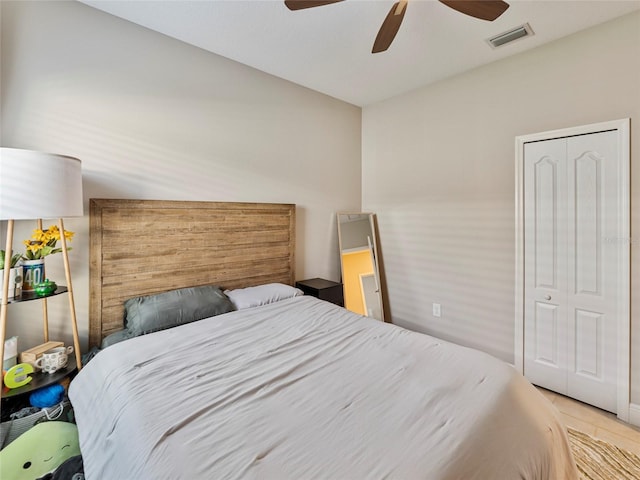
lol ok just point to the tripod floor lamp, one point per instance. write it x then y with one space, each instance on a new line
36 186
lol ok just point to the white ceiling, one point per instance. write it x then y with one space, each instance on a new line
328 48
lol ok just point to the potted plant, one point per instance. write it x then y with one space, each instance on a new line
41 244
15 274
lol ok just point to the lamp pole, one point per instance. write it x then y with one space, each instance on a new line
5 288
72 305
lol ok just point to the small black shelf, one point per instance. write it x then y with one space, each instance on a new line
41 379
27 296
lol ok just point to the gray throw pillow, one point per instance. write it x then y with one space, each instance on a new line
169 309
114 338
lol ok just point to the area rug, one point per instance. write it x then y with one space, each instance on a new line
600 460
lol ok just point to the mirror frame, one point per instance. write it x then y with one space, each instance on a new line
376 256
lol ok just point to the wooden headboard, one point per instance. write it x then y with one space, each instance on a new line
143 247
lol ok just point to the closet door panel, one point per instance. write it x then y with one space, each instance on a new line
589 346
545 220
587 217
592 173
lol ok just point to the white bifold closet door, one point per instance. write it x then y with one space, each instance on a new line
570 248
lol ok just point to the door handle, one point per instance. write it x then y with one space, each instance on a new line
547 297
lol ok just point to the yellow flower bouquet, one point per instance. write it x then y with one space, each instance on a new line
43 242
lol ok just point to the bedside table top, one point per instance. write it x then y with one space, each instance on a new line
318 283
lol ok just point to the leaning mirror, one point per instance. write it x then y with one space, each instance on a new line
359 262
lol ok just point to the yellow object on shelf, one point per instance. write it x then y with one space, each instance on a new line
18 375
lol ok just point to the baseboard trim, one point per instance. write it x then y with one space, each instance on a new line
634 414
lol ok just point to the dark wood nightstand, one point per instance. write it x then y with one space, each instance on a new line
322 289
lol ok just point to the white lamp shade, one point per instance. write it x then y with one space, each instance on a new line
39 185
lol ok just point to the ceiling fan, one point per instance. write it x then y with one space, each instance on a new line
483 9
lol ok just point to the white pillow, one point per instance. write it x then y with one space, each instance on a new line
261 295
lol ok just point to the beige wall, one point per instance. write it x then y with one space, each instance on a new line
438 168
154 118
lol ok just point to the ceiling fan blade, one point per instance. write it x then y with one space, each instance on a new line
390 27
302 4
483 9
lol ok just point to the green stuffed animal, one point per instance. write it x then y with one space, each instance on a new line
39 450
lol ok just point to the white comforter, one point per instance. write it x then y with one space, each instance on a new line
303 389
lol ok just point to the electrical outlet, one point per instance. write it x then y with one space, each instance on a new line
437 312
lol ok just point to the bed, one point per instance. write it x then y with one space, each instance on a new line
290 386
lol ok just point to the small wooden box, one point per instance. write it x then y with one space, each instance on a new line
31 355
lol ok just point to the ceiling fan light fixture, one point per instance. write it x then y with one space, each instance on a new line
482 9
510 36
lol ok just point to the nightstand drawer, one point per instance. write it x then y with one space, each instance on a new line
322 289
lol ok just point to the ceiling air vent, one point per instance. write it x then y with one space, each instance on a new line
510 36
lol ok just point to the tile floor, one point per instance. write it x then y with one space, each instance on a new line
595 422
